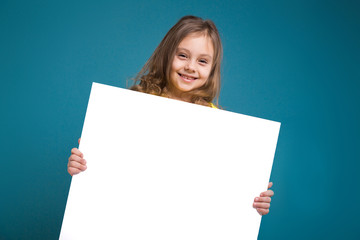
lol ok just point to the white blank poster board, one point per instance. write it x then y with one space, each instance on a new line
165 169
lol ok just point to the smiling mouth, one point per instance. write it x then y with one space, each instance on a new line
187 78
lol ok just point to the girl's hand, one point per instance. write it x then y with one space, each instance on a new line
262 203
76 162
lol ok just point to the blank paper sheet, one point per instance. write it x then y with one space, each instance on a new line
164 169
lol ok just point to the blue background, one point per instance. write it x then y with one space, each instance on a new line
297 62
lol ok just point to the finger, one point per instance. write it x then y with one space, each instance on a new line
270 185
261 205
263 199
77 165
79 140
77 152
268 193
76 158
73 171
262 211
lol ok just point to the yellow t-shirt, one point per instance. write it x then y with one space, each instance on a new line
213 106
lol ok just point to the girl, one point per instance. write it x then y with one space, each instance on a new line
185 66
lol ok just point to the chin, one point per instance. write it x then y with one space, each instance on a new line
185 88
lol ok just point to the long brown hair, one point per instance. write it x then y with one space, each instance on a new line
155 73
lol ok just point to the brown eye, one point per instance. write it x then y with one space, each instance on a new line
181 55
203 61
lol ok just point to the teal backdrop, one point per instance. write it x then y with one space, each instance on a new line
297 62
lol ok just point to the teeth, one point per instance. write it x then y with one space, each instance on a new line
189 78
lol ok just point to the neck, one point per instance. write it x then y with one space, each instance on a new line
173 93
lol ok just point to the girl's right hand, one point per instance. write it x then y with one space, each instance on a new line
77 163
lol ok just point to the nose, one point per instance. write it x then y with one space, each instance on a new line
189 66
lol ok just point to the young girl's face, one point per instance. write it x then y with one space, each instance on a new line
192 63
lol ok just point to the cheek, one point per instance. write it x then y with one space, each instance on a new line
206 73
172 72
175 66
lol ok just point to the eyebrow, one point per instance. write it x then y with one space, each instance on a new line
204 55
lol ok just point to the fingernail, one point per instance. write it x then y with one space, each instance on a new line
257 199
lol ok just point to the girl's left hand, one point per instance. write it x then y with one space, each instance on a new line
262 203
